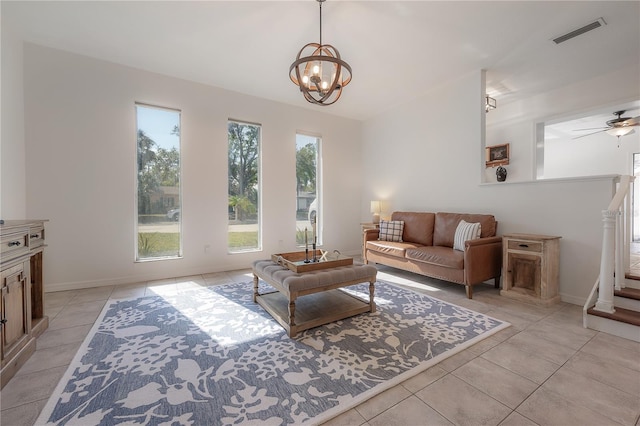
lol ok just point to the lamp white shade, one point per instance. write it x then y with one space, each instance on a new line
375 209
620 131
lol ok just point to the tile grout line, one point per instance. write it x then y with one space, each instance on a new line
551 375
538 386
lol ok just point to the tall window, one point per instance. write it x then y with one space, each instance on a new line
244 187
308 194
159 196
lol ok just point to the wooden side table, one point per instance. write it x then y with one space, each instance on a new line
531 266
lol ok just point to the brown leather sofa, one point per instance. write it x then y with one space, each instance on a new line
427 248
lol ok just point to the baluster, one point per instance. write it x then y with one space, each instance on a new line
605 293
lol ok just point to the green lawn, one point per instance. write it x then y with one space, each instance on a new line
239 240
157 244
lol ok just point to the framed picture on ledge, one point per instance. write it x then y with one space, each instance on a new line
497 155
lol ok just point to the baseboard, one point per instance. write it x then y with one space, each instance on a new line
352 253
142 278
574 300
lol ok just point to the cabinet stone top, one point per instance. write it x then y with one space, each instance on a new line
533 237
10 224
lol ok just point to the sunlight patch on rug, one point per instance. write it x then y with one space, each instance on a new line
212 356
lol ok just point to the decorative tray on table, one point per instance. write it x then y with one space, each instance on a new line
295 261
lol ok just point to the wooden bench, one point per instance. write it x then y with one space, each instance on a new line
325 302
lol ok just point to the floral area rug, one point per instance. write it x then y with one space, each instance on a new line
213 357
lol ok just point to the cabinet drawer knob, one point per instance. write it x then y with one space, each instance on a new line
34 236
14 243
523 245
3 321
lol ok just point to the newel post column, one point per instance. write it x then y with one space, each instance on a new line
605 293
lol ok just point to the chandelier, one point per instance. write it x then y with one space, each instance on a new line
319 71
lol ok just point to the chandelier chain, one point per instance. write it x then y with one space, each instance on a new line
320 24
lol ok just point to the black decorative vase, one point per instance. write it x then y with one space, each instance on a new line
501 174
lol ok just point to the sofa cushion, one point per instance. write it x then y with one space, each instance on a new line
464 232
446 224
418 226
389 247
438 255
391 230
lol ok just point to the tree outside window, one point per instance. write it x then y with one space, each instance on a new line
308 195
158 183
244 186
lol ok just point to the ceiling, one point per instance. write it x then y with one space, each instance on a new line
399 50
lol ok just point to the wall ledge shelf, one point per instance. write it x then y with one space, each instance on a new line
599 178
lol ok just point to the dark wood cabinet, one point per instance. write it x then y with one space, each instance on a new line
14 309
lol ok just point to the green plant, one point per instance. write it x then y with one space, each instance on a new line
145 245
158 244
242 206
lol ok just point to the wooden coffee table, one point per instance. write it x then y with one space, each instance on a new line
323 303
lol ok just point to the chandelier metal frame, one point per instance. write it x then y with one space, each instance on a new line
309 68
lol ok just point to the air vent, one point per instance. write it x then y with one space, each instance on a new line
575 33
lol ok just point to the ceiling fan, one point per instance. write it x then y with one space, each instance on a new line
620 126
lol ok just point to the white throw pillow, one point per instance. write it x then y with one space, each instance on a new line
391 230
464 232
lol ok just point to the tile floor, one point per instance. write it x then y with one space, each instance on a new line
545 369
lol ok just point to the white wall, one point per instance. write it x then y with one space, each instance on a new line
515 122
598 154
12 146
428 156
81 150
424 150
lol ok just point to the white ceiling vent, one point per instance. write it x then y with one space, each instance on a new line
575 33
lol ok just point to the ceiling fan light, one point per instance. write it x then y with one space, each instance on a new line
620 131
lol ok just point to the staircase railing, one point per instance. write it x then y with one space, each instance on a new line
616 247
